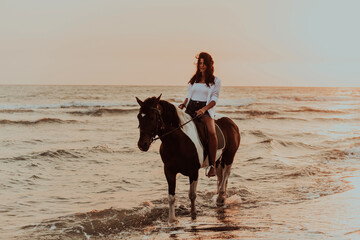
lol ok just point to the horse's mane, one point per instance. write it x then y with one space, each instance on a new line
169 113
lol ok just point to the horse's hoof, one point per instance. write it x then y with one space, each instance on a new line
220 202
193 216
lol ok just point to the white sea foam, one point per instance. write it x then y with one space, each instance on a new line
65 105
227 102
353 152
236 102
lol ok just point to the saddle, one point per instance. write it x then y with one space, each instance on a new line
203 136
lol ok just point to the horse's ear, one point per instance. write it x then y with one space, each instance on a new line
139 102
158 99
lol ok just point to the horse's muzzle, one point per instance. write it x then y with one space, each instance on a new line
144 145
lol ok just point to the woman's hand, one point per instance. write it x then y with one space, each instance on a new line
200 112
181 106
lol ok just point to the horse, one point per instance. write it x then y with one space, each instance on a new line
178 151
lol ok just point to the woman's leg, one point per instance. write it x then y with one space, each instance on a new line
213 143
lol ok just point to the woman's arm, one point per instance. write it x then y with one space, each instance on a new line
216 91
182 105
204 109
214 95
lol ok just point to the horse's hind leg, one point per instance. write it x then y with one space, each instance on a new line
233 138
171 179
192 193
222 185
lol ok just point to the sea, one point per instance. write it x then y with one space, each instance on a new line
70 167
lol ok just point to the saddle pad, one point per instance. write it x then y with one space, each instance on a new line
220 137
190 130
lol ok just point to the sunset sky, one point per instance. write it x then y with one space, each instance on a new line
253 43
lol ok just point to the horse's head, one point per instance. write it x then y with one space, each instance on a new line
149 121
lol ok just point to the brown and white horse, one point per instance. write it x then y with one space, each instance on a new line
179 152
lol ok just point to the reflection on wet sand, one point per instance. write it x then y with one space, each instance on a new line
330 217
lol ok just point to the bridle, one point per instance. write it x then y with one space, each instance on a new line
161 123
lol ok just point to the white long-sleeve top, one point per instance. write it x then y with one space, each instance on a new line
213 94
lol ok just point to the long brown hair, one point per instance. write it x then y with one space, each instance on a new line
209 72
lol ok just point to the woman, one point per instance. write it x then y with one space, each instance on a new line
203 93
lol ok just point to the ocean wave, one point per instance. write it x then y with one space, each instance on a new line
337 154
102 149
174 100
337 119
40 121
353 151
275 144
103 111
258 133
254 159
222 102
350 153
307 171
15 110
60 153
251 114
309 109
239 118
269 140
63 153
35 177
6 107
346 140
296 144
287 118
98 223
258 113
235 102
321 188
312 99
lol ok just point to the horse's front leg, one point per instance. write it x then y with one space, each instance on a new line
192 193
171 179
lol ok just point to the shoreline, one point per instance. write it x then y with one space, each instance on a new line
332 216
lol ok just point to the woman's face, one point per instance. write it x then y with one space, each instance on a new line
202 66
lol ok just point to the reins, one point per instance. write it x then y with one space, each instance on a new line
154 139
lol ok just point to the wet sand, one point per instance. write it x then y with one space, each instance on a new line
334 216
330 217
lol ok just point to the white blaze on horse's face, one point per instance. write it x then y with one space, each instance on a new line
148 128
148 121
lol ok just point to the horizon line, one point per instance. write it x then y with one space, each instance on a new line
159 85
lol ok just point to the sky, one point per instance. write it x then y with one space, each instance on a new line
140 42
